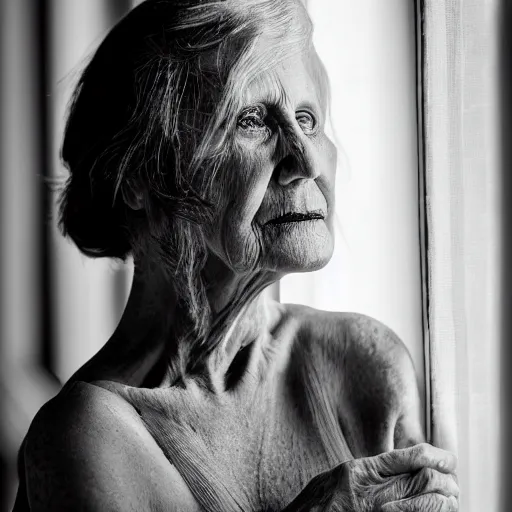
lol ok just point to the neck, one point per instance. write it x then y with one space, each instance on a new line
145 347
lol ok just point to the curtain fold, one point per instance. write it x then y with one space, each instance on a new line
463 215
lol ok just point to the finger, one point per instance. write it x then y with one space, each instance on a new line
409 460
423 482
428 480
430 502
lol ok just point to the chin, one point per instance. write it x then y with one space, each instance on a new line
306 251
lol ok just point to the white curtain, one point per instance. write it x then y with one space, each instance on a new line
462 186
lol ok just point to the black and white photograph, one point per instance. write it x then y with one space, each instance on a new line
255 255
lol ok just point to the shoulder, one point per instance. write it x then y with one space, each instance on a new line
375 350
369 368
358 344
382 381
88 447
80 412
353 337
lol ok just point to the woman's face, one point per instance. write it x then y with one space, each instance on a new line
278 186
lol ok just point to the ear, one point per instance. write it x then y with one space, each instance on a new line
132 197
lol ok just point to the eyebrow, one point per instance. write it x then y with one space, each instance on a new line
271 93
279 100
277 95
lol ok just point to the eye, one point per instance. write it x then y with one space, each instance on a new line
252 119
306 121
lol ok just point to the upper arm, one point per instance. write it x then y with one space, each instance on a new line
382 385
85 450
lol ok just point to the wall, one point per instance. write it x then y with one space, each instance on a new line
89 294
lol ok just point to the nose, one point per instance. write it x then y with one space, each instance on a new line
296 161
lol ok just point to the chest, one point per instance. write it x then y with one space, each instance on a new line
253 453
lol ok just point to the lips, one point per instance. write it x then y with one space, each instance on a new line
296 217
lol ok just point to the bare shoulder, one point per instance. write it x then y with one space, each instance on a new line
357 344
371 371
373 346
384 385
88 447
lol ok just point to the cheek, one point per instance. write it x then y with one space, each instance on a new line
245 181
241 249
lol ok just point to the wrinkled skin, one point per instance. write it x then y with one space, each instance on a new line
288 166
304 410
417 478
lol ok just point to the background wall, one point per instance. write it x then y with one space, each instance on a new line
89 295
56 307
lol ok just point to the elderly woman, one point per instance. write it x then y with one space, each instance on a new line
196 144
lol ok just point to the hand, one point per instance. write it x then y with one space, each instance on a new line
416 479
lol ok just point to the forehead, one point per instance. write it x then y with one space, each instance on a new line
296 77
